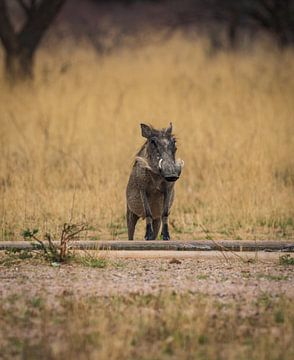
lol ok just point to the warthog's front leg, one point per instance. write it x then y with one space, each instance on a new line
165 214
149 235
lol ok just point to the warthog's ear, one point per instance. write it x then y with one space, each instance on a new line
146 131
169 130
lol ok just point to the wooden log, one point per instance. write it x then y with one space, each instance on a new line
192 245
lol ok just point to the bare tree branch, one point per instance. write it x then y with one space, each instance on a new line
33 3
24 6
43 15
7 34
20 46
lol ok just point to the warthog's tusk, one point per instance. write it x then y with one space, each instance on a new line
159 164
180 163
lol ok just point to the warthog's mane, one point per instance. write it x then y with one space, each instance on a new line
142 158
142 162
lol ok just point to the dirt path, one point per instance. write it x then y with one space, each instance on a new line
214 273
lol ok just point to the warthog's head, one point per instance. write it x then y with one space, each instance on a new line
160 152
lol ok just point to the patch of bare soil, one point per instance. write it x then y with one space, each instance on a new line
223 275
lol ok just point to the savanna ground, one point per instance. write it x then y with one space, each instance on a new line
67 144
169 305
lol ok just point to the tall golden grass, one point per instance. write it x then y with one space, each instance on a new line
68 140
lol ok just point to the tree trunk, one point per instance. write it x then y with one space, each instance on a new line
19 65
20 46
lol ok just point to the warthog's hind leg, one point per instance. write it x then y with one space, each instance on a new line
164 231
149 235
166 207
131 222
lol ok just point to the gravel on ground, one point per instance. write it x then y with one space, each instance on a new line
224 275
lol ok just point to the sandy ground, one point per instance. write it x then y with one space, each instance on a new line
243 276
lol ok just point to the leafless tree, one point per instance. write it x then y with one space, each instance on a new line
276 17
273 17
20 46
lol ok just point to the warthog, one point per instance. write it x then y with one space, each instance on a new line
150 190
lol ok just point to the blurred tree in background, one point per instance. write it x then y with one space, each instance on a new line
20 46
275 17
227 23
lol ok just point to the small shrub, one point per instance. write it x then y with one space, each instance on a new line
279 317
57 251
286 260
202 339
14 256
90 261
202 277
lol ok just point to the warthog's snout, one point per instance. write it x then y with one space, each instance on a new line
171 178
170 170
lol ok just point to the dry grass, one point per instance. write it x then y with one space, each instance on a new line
67 142
168 326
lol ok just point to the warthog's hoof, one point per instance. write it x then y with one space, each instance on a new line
165 233
149 233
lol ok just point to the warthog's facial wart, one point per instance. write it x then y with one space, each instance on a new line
180 163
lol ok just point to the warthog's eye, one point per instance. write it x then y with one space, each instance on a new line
153 141
173 145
